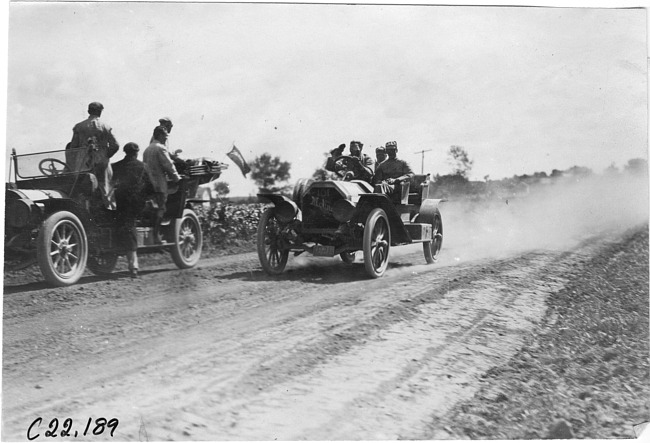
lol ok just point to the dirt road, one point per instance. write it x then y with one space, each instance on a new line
224 352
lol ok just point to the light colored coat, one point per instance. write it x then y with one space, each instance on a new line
160 165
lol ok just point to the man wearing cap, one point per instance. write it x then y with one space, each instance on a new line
167 125
391 171
132 184
162 169
365 170
380 155
99 144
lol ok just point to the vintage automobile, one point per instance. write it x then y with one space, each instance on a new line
333 217
56 218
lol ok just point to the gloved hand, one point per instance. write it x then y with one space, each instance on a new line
338 151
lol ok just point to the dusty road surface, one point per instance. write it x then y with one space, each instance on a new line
224 352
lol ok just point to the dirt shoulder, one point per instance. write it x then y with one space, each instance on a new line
583 372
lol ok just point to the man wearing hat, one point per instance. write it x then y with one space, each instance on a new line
132 184
365 170
166 124
162 169
380 155
99 145
391 171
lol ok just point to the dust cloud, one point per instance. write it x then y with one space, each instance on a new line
556 215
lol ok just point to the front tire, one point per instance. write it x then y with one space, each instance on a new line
432 248
188 240
62 249
272 258
376 243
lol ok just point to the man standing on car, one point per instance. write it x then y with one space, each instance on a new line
365 170
162 169
100 145
391 171
132 185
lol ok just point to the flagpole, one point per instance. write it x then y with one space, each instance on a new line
422 152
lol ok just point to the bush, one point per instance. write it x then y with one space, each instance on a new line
225 225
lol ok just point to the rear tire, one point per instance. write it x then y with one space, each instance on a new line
376 243
188 240
62 249
432 248
272 258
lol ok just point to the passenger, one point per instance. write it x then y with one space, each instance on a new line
97 137
365 170
161 169
167 125
380 155
391 171
132 186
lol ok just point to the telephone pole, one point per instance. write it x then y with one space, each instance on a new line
422 152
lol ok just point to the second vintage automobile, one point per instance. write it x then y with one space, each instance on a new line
341 217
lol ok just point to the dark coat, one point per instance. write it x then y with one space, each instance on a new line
132 186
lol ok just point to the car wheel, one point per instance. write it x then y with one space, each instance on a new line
272 257
188 240
62 249
102 263
376 243
432 248
348 256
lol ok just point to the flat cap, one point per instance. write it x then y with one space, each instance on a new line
380 149
131 147
95 106
391 145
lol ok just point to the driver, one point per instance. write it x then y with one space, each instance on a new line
391 171
365 170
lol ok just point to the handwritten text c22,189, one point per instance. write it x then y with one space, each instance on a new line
67 428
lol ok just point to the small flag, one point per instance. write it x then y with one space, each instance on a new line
238 159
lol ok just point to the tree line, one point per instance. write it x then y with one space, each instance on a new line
272 174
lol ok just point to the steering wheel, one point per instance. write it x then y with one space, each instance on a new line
348 167
52 166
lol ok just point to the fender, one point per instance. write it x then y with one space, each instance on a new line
285 208
276 199
428 210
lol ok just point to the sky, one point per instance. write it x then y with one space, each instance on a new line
522 89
